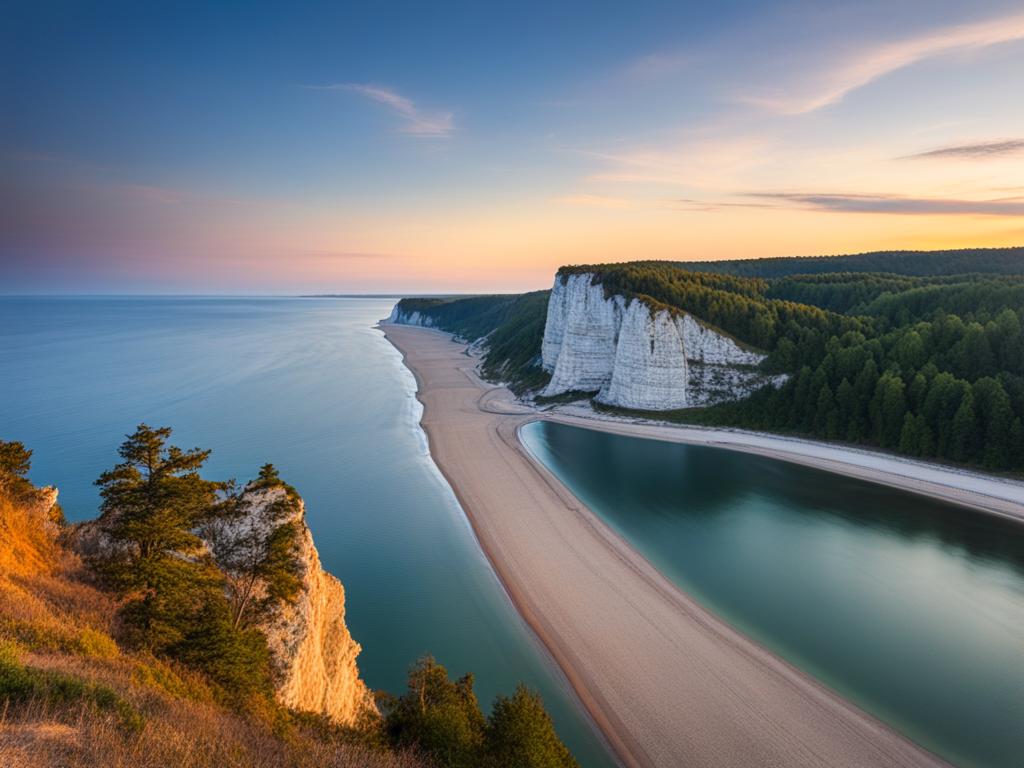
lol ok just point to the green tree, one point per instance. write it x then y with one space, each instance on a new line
887 410
964 433
152 501
174 603
909 436
443 719
437 716
825 417
255 541
15 462
995 419
520 734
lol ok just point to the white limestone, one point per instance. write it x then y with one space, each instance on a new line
410 318
650 370
636 357
580 351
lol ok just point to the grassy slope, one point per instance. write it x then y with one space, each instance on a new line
70 695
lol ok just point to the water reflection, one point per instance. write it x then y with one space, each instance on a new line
910 607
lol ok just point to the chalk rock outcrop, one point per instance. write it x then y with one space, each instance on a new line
313 653
580 336
401 317
634 356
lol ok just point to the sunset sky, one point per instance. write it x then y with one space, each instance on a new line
259 147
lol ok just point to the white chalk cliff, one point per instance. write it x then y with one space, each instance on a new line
409 318
636 357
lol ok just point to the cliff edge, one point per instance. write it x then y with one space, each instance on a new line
313 652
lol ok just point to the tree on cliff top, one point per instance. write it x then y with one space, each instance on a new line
15 462
174 601
256 542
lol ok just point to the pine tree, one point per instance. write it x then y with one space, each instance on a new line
910 436
15 462
174 603
964 432
255 541
520 734
152 501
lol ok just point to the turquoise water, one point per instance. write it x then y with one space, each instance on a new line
311 386
911 608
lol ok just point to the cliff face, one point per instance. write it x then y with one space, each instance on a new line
314 654
634 357
410 318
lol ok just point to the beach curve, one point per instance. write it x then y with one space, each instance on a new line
666 681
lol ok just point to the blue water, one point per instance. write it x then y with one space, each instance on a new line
911 608
311 386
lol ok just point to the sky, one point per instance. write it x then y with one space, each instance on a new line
302 147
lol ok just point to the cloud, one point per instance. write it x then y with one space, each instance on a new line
980 151
657 65
893 204
416 122
593 201
875 61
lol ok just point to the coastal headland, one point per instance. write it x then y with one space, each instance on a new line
667 682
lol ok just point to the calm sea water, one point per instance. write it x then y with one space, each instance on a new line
311 386
911 608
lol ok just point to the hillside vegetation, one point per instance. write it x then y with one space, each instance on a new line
512 328
149 655
999 261
920 353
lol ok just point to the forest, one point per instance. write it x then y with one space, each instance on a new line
916 353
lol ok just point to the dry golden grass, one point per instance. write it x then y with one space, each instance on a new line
182 734
71 697
28 549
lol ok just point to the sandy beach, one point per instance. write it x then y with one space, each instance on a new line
667 682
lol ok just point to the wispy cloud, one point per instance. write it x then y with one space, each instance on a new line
416 122
893 204
980 151
656 65
873 62
593 201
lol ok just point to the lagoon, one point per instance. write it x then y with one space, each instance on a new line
911 608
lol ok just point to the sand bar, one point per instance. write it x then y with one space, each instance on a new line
667 682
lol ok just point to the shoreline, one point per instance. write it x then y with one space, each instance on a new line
666 681
987 494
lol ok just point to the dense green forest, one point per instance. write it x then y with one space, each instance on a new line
999 261
914 352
